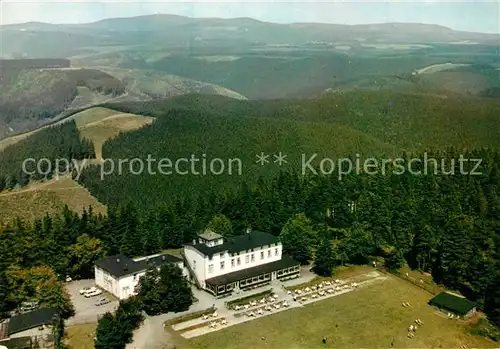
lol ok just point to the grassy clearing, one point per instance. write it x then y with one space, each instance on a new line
38 199
368 317
81 119
101 129
423 280
80 336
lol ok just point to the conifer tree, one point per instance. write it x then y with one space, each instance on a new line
324 260
492 301
220 224
297 237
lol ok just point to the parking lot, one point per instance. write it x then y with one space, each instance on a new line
85 309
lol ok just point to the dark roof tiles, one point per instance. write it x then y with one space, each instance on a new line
32 319
120 265
453 303
239 243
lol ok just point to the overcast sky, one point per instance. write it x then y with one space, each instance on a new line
478 16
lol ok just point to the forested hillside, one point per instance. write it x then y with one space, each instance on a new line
335 126
56 142
445 224
31 97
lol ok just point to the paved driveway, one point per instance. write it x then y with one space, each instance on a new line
85 309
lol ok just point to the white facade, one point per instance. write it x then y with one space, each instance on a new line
220 263
124 286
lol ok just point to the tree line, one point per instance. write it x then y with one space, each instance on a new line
62 141
192 125
448 225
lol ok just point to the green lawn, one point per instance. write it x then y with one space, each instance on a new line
80 336
368 317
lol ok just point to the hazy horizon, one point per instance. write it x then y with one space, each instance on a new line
481 17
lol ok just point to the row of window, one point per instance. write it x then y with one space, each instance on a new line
248 259
222 255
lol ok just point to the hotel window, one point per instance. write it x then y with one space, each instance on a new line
238 261
222 255
269 253
262 255
194 265
210 268
232 262
210 258
222 265
247 258
252 257
275 251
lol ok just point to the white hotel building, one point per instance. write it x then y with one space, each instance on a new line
119 274
221 266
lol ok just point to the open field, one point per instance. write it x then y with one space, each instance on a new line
80 336
96 124
107 124
369 317
81 119
38 199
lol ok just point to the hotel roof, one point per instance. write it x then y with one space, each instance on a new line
210 235
120 265
32 319
458 305
238 243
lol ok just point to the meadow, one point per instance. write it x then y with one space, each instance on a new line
368 317
41 198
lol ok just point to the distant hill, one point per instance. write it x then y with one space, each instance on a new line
256 59
444 80
46 40
369 123
32 96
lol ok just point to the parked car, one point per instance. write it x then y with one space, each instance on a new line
93 293
87 290
102 301
28 306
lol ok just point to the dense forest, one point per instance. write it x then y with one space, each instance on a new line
445 224
55 142
381 124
